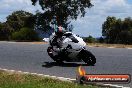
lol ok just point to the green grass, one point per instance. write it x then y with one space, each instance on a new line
17 80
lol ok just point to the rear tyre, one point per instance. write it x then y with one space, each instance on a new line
89 58
56 58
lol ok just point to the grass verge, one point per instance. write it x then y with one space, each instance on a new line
18 80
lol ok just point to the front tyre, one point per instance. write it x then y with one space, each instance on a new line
56 58
89 58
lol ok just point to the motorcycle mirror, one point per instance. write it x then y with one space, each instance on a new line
46 39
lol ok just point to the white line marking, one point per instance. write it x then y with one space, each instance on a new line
25 72
19 71
33 73
40 74
115 86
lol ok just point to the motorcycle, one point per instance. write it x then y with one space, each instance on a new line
73 49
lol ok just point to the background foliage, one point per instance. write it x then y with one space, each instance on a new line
19 26
25 34
60 12
117 31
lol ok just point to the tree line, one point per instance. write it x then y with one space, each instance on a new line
117 31
19 26
55 12
114 31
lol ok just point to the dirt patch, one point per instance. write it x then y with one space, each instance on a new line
109 45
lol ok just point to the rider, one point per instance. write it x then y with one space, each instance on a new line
58 39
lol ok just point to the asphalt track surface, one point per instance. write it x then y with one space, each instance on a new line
33 58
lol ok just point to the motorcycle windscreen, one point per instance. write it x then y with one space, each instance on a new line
70 39
80 41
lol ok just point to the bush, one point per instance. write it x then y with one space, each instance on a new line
90 39
25 34
101 40
3 35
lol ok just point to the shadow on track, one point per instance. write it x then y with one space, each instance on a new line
52 64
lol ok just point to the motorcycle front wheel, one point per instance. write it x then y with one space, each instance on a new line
88 58
56 58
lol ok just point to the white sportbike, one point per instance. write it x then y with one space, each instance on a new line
72 49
